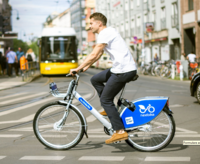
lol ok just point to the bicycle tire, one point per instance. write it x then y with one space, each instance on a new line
46 129
139 140
198 92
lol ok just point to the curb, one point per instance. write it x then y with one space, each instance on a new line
34 78
185 81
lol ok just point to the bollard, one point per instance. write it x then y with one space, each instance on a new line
181 72
173 71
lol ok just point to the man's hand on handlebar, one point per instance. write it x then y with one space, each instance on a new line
74 70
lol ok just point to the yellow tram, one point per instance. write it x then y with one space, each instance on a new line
58 51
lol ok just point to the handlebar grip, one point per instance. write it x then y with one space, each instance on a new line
74 72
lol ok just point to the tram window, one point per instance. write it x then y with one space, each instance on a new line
59 48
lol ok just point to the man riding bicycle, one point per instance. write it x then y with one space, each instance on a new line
122 71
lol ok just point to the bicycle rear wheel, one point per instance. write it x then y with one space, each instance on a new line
158 135
47 130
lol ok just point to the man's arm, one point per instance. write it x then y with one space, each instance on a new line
94 56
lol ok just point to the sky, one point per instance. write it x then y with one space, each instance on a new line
33 14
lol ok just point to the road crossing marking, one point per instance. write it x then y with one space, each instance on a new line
102 158
13 95
55 158
176 106
2 157
22 98
10 135
30 117
152 90
171 159
26 106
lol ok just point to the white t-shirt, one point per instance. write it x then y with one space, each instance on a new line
118 51
192 57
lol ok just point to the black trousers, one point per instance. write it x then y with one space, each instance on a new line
107 93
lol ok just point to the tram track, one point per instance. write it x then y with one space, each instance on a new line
77 104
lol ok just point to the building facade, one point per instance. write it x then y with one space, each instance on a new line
129 18
89 9
190 21
77 9
7 36
58 20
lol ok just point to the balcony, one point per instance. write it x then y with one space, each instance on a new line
163 23
174 19
126 14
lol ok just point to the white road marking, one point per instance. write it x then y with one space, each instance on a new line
152 90
26 106
55 158
30 117
167 159
9 96
176 106
130 91
2 157
179 91
102 158
98 136
188 136
10 135
22 98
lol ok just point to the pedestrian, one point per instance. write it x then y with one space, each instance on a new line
19 54
7 50
155 59
3 63
183 57
123 70
12 62
191 57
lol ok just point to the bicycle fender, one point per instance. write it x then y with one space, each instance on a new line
147 109
73 106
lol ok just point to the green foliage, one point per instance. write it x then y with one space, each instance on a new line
19 43
35 48
24 46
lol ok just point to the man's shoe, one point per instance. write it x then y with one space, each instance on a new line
103 113
117 137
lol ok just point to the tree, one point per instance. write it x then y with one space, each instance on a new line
19 43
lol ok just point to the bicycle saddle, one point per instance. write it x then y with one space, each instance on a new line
135 78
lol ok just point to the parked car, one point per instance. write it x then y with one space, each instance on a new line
104 62
195 86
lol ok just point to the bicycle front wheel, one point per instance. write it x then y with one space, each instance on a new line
156 135
49 131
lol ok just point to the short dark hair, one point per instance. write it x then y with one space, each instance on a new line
11 48
192 52
100 17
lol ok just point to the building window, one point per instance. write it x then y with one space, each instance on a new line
132 4
138 2
153 19
92 11
190 5
163 18
153 2
174 15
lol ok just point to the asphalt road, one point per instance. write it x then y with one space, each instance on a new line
18 106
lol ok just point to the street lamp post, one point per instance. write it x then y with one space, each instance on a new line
17 13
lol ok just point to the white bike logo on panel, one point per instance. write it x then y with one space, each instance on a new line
149 108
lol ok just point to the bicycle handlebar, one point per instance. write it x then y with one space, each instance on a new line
74 72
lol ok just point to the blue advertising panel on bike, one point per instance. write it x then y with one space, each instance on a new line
147 109
85 103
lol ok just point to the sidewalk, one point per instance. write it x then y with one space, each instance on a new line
7 82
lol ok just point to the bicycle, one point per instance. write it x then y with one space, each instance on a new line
61 125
